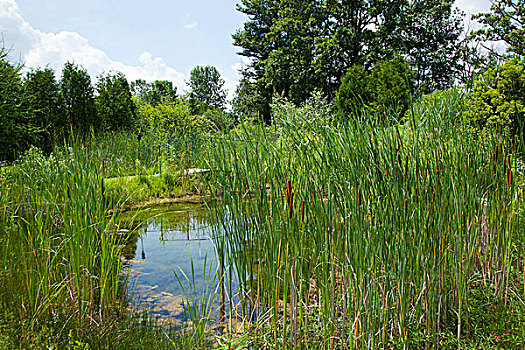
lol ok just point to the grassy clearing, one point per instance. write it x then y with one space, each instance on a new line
363 236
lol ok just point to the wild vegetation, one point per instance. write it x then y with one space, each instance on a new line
369 188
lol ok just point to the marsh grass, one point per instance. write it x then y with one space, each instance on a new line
61 284
361 235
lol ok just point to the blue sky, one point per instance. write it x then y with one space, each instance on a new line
155 39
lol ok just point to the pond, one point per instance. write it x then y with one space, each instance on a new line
171 240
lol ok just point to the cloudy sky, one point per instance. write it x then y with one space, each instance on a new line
155 39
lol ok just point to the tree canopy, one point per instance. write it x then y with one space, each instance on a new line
506 23
207 87
78 97
298 46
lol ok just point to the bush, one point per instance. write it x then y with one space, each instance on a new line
383 92
498 97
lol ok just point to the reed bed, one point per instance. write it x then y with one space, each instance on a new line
59 246
362 235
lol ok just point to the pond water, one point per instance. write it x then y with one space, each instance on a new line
170 239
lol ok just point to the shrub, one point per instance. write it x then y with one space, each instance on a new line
498 97
383 92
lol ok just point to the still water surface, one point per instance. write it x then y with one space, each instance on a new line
170 238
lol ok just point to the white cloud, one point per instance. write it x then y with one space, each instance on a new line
473 6
191 25
38 49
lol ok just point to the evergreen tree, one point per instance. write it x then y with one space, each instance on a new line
114 104
77 94
41 97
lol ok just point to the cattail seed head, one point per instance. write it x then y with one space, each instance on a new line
302 211
290 205
405 204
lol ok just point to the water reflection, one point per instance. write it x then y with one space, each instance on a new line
166 242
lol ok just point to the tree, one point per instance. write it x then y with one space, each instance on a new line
114 104
207 87
159 91
12 131
297 46
248 102
77 94
41 97
430 37
506 23
498 97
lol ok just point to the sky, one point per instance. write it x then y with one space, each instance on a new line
151 40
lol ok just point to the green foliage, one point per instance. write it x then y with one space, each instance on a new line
41 98
384 92
498 97
313 115
159 91
353 94
250 102
207 88
506 23
298 46
18 129
77 94
115 107
428 34
172 120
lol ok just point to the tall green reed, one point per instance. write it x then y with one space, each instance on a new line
376 230
59 245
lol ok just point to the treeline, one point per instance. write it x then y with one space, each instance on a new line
37 109
376 56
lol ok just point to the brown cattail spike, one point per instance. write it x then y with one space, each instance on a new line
290 205
405 204
302 211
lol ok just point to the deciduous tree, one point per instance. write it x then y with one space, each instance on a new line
505 22
207 87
